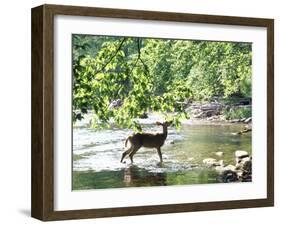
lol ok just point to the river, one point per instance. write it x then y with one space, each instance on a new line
97 154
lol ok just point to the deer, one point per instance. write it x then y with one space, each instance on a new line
148 140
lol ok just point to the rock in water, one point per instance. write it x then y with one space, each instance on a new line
219 153
219 169
244 169
211 162
241 154
229 176
221 162
247 166
240 162
230 167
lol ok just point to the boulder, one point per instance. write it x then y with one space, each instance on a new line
219 153
234 120
219 169
211 162
244 169
230 167
241 154
221 162
245 164
240 161
223 168
229 176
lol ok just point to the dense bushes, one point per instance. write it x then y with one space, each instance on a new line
238 113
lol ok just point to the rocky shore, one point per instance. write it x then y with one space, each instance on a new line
241 171
215 111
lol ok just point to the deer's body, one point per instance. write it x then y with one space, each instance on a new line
148 140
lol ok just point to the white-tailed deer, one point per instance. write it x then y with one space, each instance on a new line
148 140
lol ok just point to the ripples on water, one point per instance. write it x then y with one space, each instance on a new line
97 154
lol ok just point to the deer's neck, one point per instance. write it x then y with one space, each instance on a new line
165 131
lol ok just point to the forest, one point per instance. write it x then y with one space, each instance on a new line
120 79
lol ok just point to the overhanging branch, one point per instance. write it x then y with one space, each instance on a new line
111 58
139 58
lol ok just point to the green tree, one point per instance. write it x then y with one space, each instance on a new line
158 75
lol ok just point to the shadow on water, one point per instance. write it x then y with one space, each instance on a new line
133 176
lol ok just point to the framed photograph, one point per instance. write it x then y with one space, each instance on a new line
141 112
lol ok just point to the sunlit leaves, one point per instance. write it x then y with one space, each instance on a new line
157 75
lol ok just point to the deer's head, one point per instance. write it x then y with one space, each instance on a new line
164 124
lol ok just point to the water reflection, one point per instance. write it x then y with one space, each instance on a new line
134 177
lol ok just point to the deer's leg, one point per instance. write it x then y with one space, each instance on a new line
131 155
125 153
160 154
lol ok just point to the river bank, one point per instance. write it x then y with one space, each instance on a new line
230 110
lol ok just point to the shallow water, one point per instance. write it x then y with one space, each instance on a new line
97 153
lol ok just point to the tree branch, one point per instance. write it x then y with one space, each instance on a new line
139 50
139 58
112 57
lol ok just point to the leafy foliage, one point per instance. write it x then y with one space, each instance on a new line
121 78
238 113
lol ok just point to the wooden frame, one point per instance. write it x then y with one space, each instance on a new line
42 205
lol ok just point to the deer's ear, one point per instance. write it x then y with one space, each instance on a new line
158 123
